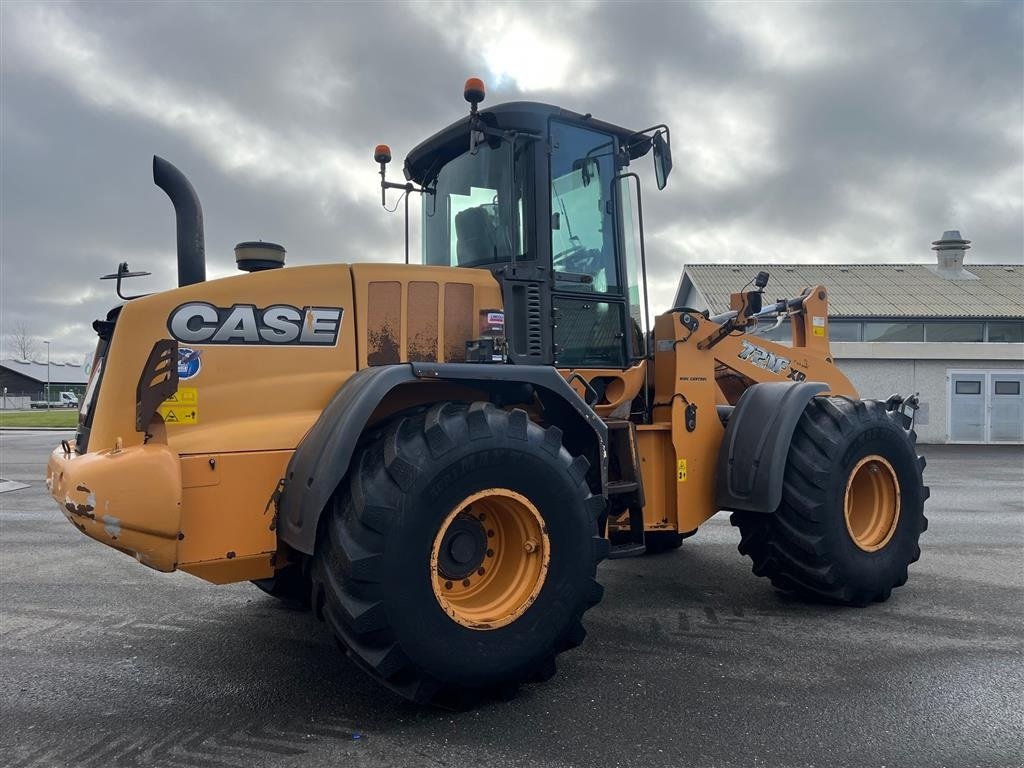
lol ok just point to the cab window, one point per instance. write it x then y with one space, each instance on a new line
582 210
474 209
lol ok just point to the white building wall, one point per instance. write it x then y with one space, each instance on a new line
878 373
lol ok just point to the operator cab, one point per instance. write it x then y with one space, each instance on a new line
542 197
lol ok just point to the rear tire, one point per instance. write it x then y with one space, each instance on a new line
376 569
852 506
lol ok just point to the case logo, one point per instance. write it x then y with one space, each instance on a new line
188 362
197 322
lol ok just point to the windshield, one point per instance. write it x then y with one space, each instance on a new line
473 213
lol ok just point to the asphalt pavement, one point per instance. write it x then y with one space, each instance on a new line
690 660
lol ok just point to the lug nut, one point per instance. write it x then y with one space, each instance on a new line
465 582
490 533
480 571
530 545
490 553
447 585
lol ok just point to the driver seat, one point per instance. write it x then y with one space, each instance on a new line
474 232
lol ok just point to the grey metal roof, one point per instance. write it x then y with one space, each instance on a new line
60 373
873 290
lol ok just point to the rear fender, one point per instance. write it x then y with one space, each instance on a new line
322 459
752 457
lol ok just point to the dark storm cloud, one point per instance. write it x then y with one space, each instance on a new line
801 132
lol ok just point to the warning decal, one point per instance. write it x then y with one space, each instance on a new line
179 414
181 408
681 470
819 331
184 396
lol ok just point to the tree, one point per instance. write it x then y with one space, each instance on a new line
22 342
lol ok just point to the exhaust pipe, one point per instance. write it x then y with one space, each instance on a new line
189 215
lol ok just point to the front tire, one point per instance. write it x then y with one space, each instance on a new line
852 506
461 557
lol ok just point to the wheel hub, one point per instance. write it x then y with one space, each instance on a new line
463 547
872 503
490 559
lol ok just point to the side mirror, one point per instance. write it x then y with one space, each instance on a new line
583 165
662 158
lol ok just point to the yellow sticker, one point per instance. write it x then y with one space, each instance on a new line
184 396
819 331
681 470
180 414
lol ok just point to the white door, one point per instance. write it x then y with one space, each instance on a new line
1006 407
967 409
986 406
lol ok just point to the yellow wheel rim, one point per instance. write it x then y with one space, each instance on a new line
872 504
490 558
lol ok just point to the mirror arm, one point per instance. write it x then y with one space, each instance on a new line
407 188
661 127
645 131
477 125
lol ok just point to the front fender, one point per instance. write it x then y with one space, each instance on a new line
752 457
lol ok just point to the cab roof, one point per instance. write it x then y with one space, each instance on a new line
423 162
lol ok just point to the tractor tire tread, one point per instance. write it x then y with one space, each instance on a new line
790 546
362 513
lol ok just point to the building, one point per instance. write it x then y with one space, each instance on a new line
22 381
951 332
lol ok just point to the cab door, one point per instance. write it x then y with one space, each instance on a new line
589 300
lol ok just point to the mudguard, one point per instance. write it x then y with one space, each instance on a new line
321 460
752 457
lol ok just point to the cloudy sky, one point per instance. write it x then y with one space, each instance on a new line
805 132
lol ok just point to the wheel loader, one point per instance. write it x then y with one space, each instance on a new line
436 457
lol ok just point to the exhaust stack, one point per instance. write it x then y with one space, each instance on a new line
189 215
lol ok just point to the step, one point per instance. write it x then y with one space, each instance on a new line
622 551
621 486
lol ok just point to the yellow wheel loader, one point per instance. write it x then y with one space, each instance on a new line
436 457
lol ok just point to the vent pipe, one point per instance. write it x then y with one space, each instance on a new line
950 251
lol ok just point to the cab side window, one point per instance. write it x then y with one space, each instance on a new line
582 210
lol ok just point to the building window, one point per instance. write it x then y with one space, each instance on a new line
1006 332
783 334
874 331
1007 387
843 330
968 387
954 331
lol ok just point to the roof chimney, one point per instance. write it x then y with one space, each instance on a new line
950 251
